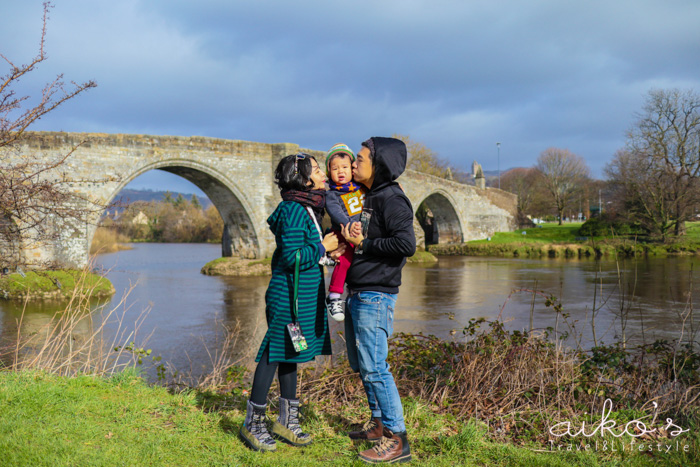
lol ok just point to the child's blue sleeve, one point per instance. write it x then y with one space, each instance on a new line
336 208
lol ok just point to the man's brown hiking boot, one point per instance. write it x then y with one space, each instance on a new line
392 448
371 431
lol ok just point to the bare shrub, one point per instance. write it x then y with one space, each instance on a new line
517 381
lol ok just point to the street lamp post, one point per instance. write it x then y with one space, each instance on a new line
498 145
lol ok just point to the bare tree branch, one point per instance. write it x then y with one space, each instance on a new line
564 174
33 197
657 175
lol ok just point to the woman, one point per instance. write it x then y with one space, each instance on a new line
296 225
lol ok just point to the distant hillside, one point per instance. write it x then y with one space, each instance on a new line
128 196
494 173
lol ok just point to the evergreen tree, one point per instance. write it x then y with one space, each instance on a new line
179 201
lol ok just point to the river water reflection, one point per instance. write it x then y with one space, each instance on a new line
186 309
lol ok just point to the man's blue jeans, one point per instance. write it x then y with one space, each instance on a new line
367 330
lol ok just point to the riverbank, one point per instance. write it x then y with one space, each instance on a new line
555 241
233 266
61 284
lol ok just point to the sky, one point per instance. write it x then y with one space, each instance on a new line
458 76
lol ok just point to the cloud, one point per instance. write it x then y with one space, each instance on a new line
458 76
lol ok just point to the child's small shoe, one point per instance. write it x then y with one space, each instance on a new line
335 308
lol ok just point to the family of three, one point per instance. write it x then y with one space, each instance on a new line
371 238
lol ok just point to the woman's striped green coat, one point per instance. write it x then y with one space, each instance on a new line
294 230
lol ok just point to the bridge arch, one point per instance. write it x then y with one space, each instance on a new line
438 218
240 236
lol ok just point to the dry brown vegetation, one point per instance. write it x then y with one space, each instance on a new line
75 339
108 241
521 383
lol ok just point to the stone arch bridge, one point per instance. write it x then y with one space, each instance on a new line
237 177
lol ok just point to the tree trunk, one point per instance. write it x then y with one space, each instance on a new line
680 228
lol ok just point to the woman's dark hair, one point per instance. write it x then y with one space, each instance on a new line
294 172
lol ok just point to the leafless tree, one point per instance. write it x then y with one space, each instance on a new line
563 174
32 196
641 188
523 182
423 159
665 141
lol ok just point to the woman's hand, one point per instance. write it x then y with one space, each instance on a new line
330 241
353 232
338 252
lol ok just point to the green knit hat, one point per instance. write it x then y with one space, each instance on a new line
337 149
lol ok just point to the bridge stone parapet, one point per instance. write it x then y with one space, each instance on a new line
237 176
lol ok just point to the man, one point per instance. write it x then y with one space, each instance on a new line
384 238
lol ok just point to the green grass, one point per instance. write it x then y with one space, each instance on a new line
692 232
548 233
235 266
422 256
89 421
53 421
44 284
264 261
555 241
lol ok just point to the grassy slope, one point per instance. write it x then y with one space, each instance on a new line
52 421
693 231
48 421
549 233
567 233
555 240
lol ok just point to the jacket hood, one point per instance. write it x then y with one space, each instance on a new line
390 158
275 220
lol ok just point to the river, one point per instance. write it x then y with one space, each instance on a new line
182 312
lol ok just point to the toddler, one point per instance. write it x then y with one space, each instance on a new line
344 204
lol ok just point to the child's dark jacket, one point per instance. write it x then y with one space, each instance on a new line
344 203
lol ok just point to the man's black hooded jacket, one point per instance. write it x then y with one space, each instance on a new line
390 236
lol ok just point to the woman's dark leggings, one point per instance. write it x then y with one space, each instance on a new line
265 373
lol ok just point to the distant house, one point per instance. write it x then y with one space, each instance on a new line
140 219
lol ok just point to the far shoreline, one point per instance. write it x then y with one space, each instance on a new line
564 241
